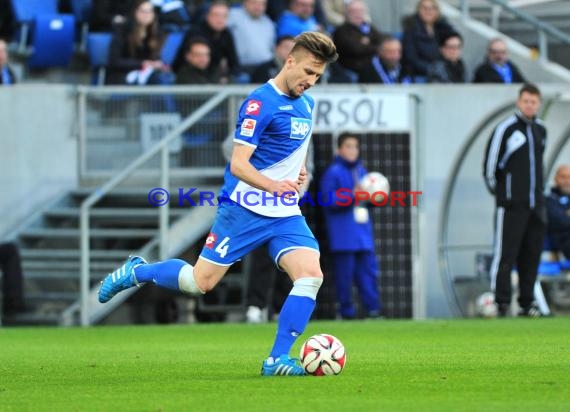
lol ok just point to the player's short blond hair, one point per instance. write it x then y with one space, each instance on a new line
318 44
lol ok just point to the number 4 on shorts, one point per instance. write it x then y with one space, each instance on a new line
222 248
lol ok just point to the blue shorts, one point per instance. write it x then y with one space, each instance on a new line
237 231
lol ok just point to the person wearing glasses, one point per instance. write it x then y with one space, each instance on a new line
497 68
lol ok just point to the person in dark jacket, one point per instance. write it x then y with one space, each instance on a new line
558 208
197 60
350 233
7 76
422 32
214 28
386 66
513 171
356 39
498 68
450 67
134 54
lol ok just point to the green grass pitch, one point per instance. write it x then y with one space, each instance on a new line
456 365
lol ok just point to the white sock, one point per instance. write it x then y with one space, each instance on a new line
187 282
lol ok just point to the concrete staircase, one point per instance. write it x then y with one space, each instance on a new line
123 223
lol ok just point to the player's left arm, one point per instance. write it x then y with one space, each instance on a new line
242 168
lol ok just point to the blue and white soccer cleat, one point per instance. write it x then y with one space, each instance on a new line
121 279
282 366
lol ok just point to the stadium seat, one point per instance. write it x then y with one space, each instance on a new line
53 41
549 268
98 50
82 11
170 47
25 11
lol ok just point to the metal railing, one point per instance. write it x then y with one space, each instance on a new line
162 147
543 29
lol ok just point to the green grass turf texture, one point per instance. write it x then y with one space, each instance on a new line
454 365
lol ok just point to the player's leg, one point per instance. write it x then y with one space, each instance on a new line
174 274
509 229
344 266
224 245
366 273
303 267
528 261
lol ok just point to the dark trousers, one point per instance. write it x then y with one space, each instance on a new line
12 282
267 287
359 267
519 238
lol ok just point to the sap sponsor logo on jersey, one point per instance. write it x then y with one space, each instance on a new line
248 127
253 107
300 128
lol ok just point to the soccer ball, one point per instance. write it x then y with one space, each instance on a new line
485 305
323 355
375 182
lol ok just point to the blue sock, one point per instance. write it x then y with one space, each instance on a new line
164 274
295 314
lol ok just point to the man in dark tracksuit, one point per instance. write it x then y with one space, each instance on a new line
350 234
514 174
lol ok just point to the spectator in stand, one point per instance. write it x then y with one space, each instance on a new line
422 33
386 66
12 283
107 14
498 68
253 32
558 208
134 55
214 28
196 63
335 12
449 68
298 18
275 9
269 70
356 40
7 76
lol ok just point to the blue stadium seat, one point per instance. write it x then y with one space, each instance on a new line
53 41
82 11
549 268
25 11
170 47
98 50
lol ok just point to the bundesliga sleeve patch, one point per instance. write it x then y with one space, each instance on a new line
253 107
248 127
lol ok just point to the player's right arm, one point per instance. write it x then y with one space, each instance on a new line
242 168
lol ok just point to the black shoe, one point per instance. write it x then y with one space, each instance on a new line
502 310
530 312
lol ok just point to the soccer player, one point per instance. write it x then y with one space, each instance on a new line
258 202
